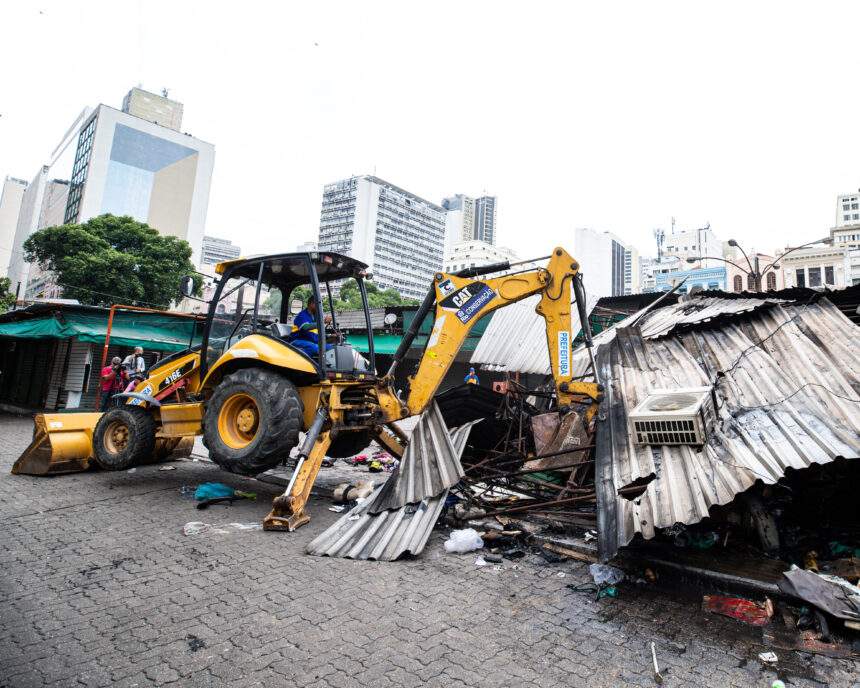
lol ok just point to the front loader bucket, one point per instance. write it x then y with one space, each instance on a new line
62 443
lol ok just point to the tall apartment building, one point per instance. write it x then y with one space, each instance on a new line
10 208
601 257
218 250
632 270
470 219
400 235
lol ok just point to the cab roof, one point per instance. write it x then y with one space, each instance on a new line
293 267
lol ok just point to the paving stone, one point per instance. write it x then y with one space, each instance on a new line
101 588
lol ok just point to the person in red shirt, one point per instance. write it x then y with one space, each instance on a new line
114 380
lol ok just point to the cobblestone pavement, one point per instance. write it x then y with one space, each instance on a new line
100 587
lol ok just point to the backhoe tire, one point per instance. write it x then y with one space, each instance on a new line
252 421
124 437
348 444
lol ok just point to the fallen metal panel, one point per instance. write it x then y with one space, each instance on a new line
515 339
788 391
695 311
366 533
430 464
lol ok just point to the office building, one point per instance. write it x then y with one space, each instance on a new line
218 250
126 165
601 261
307 247
470 219
10 208
400 235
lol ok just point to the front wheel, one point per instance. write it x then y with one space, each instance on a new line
123 438
252 421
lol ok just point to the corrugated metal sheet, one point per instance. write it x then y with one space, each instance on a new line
663 321
385 536
429 465
515 339
788 387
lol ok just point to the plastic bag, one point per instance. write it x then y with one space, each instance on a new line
603 574
197 527
465 540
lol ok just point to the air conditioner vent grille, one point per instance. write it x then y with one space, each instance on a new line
673 417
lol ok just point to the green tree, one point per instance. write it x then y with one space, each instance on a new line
110 260
6 296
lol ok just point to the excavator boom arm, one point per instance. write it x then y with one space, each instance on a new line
461 302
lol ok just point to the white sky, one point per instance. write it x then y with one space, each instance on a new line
610 115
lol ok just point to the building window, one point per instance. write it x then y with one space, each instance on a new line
713 285
739 283
814 277
751 282
846 217
855 206
828 275
771 281
801 277
844 206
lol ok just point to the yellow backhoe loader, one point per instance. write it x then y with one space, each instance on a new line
253 382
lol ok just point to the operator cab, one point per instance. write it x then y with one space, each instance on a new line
271 296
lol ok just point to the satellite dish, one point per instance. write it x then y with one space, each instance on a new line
696 289
390 318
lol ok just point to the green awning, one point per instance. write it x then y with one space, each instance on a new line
159 331
382 343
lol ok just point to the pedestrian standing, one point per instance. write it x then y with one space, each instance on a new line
134 363
113 382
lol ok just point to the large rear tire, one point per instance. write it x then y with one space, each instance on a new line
252 421
124 437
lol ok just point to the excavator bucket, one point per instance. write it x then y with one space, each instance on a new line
62 443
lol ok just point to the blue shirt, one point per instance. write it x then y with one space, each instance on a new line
302 319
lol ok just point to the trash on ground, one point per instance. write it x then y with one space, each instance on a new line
131 470
657 677
198 527
768 657
167 468
604 574
465 540
755 613
833 595
480 561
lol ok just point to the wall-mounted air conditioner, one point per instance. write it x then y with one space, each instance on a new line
674 416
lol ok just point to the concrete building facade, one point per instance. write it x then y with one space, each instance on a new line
697 278
694 242
153 108
10 208
126 165
469 254
601 257
470 219
818 266
739 277
400 235
218 250
848 209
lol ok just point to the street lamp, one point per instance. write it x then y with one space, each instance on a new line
755 271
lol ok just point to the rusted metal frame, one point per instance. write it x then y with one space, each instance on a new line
527 507
549 454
